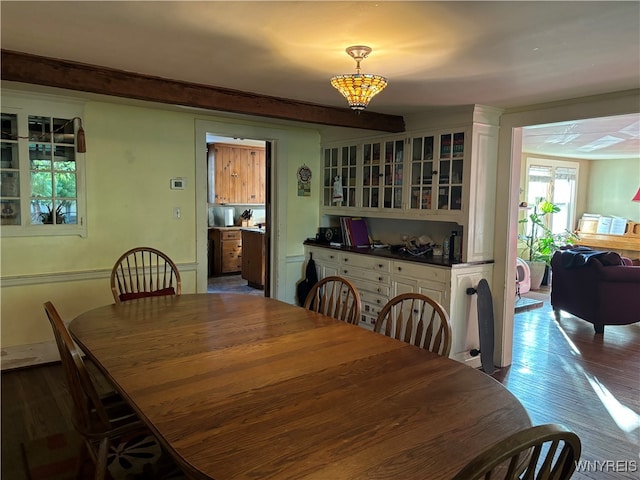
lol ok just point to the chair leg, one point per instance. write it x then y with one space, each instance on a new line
598 328
101 463
83 456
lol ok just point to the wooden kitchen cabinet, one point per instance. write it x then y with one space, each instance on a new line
253 264
239 173
227 250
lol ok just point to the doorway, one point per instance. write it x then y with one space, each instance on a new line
237 212
554 132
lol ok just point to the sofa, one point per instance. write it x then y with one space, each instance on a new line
602 288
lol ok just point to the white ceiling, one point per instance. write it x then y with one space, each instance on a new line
502 54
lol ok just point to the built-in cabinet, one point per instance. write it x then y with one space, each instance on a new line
227 249
444 174
379 279
239 173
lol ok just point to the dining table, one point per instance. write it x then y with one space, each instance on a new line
244 387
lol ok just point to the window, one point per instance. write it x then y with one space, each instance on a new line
42 174
555 181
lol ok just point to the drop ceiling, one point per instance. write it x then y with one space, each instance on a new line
502 54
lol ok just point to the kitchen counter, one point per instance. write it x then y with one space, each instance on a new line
429 259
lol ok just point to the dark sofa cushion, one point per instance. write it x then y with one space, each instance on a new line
581 256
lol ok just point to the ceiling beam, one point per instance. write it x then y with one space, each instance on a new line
33 69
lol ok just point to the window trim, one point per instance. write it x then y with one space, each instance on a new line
556 163
25 105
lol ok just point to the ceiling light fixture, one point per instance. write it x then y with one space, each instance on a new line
359 88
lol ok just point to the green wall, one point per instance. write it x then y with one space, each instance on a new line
612 185
132 153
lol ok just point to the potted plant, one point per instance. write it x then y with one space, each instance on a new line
540 242
48 217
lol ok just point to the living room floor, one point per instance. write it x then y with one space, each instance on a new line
565 373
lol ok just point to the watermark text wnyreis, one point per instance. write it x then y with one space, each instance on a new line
619 466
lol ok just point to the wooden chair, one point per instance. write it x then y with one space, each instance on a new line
416 319
144 272
99 419
543 452
335 297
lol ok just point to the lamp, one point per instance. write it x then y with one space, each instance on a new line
636 198
359 88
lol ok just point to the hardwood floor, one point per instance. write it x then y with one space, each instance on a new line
561 372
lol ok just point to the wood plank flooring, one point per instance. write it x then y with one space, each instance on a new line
561 372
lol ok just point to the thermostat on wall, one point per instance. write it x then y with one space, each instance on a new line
178 183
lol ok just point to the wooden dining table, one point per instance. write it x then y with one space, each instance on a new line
240 387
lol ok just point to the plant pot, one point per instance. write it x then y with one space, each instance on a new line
546 278
537 272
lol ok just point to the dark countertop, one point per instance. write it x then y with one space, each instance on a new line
428 259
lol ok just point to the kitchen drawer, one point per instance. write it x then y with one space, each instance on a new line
372 299
379 288
366 261
233 264
231 248
324 255
359 273
230 235
422 272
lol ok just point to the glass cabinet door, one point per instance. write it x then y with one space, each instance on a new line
393 174
330 172
371 174
437 163
339 176
422 173
348 180
451 160
382 174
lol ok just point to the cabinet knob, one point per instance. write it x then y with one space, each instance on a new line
345 271
346 259
435 172
399 269
331 257
378 301
379 265
379 279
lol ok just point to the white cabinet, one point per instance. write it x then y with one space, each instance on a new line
444 175
415 277
379 279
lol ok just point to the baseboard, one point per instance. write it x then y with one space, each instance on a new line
21 356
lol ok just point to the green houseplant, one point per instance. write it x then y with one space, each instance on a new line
538 241
50 215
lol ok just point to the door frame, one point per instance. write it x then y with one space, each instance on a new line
276 253
508 190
